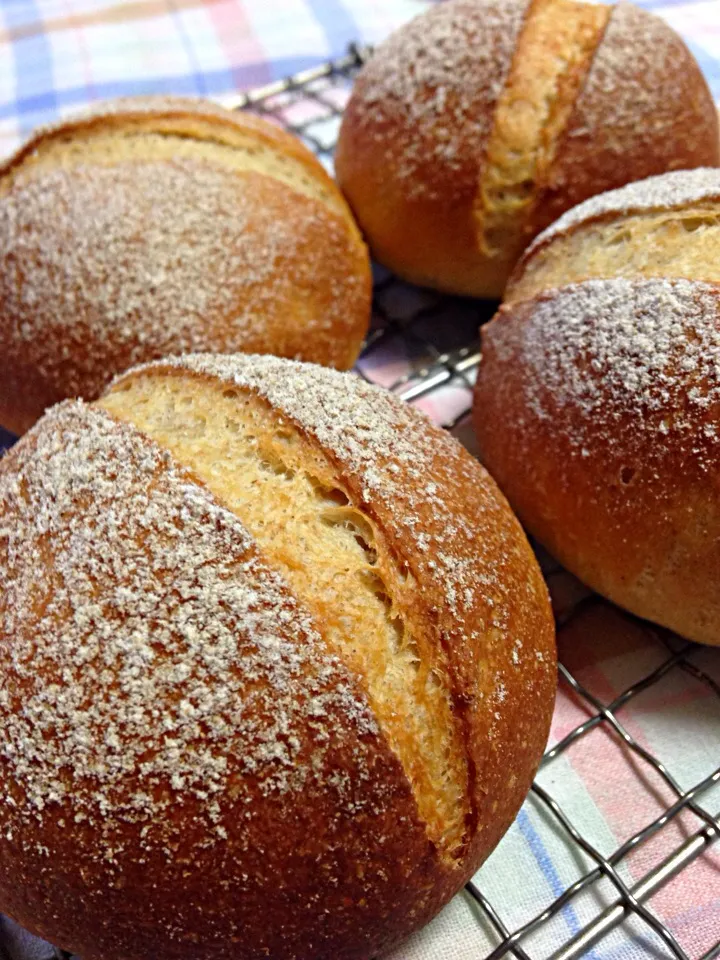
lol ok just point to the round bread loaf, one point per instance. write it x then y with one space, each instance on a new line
154 226
598 413
278 666
665 226
479 123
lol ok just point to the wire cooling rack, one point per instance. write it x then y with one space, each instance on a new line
424 347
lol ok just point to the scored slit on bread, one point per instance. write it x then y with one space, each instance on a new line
662 226
334 556
479 123
551 61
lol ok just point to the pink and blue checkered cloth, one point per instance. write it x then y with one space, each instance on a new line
55 56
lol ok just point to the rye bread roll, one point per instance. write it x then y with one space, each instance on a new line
278 667
597 411
156 226
476 125
665 226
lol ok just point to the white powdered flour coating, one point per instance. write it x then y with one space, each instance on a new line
150 654
622 358
667 191
104 266
439 78
635 58
394 451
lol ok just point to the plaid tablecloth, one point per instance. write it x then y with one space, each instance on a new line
55 56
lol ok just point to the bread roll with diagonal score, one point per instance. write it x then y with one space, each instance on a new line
477 124
156 226
300 659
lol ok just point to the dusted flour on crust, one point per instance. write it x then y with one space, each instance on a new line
196 762
440 76
153 227
617 360
597 408
182 661
645 108
143 258
442 519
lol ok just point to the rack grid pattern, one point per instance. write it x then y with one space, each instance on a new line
435 339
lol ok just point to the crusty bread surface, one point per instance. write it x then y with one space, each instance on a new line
596 409
155 226
300 659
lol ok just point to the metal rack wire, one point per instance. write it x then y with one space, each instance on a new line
436 339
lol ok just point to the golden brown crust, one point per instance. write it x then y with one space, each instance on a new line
362 598
150 229
596 411
514 114
194 118
306 840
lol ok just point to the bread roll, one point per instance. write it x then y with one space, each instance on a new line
597 411
663 226
156 226
477 124
278 667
